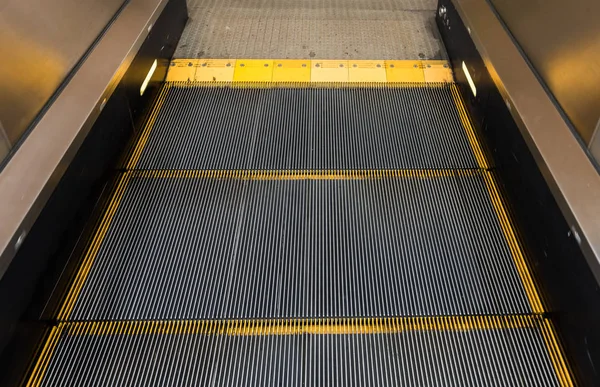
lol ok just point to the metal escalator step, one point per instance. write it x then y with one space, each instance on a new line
444 351
223 127
188 245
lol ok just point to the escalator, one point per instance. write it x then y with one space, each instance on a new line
382 207
304 234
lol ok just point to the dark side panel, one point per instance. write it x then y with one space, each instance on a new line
571 291
26 287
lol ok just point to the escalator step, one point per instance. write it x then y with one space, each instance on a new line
223 127
460 351
195 245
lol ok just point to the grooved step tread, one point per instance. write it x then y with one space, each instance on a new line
420 126
477 351
306 234
203 245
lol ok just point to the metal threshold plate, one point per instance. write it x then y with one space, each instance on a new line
186 245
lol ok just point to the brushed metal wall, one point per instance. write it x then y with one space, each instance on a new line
562 40
40 43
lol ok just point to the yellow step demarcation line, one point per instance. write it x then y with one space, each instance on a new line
326 326
500 207
469 129
556 353
92 249
305 71
316 326
306 174
140 143
43 358
506 223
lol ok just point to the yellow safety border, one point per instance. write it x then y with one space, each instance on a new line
306 174
514 244
321 326
141 141
500 207
44 357
556 354
93 248
301 71
478 151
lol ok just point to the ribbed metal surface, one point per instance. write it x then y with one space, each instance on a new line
323 29
201 127
194 353
186 247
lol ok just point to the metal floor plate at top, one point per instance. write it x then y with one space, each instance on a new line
222 127
185 353
311 29
187 248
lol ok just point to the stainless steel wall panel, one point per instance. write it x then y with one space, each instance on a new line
34 170
40 43
562 41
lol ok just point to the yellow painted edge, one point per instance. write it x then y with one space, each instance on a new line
143 139
253 70
92 250
404 71
214 70
316 326
316 71
289 70
43 359
469 129
367 71
437 71
305 174
325 71
500 208
513 244
181 70
556 354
